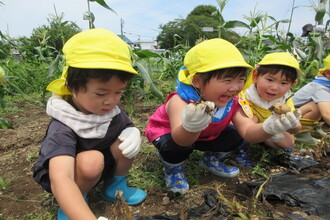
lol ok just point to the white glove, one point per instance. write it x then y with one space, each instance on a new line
196 117
131 142
279 123
102 218
276 137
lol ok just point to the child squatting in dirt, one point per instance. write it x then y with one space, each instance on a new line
268 87
90 138
314 101
198 115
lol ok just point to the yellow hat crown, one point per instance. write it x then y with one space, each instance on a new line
281 58
210 55
93 49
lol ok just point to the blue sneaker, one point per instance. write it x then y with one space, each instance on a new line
175 179
62 216
212 162
244 158
288 149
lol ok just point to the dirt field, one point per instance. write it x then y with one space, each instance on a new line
22 198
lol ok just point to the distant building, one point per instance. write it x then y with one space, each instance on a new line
150 45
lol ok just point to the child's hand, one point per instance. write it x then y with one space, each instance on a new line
196 117
131 142
279 123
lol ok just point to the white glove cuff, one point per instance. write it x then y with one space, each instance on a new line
193 128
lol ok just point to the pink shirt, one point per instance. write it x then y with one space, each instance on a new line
159 123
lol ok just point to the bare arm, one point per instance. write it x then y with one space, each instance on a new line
250 130
65 190
174 109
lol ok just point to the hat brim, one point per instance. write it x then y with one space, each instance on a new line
105 65
226 65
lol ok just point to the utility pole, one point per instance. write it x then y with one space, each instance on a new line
121 28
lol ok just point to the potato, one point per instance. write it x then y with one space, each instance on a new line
280 108
209 106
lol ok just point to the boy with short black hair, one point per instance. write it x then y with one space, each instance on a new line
270 82
90 138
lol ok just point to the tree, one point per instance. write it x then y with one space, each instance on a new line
200 17
189 31
172 34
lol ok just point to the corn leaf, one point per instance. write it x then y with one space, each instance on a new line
102 2
320 12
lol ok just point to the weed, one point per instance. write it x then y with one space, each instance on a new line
259 171
234 208
4 184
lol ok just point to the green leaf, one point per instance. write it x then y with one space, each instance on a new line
102 2
144 70
235 23
4 124
320 12
256 21
146 54
54 65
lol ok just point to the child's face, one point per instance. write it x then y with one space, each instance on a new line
272 86
99 97
221 91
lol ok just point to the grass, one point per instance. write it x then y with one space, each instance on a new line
5 183
31 100
147 169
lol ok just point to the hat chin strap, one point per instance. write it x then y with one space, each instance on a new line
198 91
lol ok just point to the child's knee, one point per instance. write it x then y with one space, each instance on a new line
89 164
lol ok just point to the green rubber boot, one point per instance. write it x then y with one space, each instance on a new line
318 131
306 138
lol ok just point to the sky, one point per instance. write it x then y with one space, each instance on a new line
141 18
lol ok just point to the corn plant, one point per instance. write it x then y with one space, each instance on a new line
89 16
4 124
171 61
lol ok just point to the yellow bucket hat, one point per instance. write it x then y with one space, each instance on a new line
210 55
276 58
281 58
93 49
326 64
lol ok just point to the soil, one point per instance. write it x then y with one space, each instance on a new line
22 198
